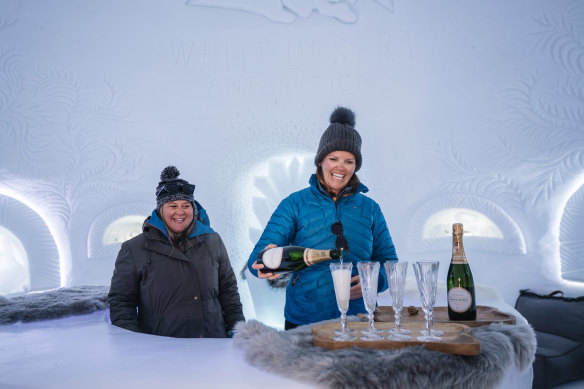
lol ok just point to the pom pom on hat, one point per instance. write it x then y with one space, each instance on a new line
169 173
343 115
340 136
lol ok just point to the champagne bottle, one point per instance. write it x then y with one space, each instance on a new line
293 258
461 292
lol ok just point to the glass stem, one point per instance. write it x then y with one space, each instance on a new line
370 322
431 320
427 317
397 321
343 322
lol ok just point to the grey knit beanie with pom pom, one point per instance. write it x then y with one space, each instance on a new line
340 136
171 188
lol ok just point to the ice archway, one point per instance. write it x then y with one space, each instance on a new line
37 258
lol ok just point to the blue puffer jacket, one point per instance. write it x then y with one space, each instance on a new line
304 219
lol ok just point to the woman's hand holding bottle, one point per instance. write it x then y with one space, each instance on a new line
258 266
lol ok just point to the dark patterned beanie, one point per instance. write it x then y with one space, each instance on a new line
171 188
340 136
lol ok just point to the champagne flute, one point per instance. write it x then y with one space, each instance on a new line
396 276
426 278
341 273
369 274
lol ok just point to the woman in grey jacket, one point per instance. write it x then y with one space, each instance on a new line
175 279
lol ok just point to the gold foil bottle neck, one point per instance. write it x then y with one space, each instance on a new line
457 229
458 254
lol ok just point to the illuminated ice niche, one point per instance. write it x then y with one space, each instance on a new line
273 179
486 224
14 268
113 227
122 229
475 224
571 237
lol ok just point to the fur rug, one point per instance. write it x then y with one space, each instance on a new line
291 354
53 304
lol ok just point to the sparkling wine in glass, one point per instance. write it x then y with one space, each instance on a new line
369 274
341 273
427 280
396 276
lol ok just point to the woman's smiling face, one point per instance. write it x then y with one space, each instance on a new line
338 168
177 215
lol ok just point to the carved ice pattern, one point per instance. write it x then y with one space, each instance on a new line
287 11
561 38
283 177
548 114
466 178
37 240
51 137
7 23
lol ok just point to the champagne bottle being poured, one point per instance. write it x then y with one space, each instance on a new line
293 258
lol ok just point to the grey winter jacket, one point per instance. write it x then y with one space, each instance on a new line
157 289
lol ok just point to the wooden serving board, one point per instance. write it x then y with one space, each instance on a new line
485 316
456 339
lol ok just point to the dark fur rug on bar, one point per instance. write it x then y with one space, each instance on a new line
53 304
291 354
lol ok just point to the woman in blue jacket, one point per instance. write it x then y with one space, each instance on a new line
331 212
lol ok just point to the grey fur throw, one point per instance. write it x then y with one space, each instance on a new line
53 304
291 353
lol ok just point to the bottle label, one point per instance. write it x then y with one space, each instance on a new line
273 258
459 299
312 256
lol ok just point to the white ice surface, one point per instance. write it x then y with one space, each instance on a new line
88 352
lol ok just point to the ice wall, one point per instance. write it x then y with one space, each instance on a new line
469 111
